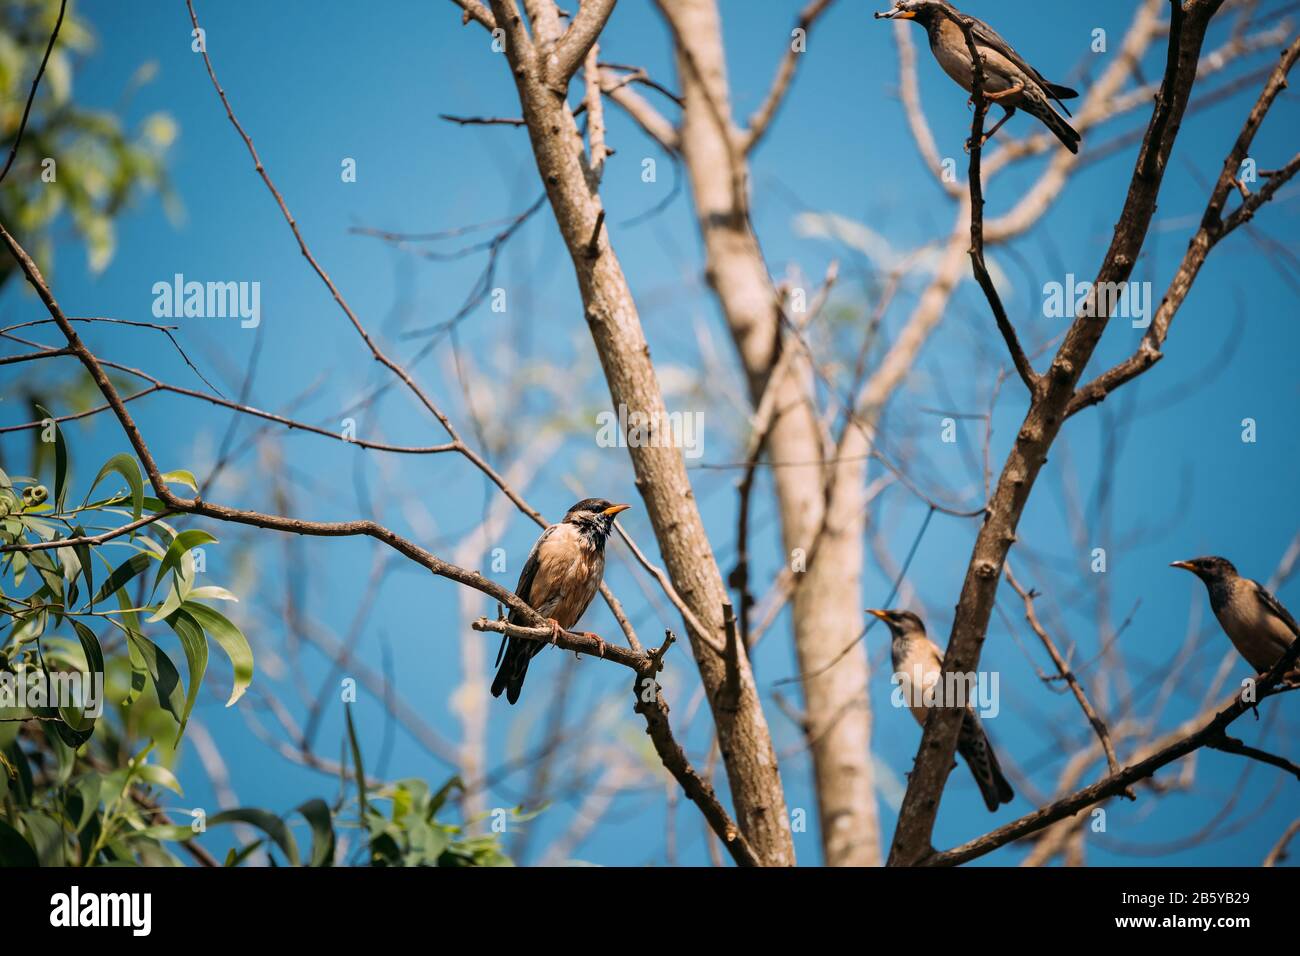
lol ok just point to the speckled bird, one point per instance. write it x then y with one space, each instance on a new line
559 579
1008 80
1260 628
914 653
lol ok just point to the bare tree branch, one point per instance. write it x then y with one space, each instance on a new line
978 266
1214 227
1206 736
652 122
661 475
473 10
1098 725
1041 425
579 38
909 93
1279 851
763 116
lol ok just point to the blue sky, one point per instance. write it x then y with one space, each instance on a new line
317 83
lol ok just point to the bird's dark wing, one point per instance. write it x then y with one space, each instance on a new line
985 35
514 653
1274 607
523 590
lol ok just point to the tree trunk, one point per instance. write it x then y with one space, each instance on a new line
827 611
744 740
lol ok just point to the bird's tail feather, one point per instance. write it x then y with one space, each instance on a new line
973 744
514 667
1063 131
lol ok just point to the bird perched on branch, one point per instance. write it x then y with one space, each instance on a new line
558 581
1256 622
916 657
1008 80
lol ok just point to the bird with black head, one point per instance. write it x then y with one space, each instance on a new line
918 666
1008 81
1260 628
561 575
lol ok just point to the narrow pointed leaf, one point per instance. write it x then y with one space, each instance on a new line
181 477
125 466
317 813
356 762
123 573
196 660
265 821
182 543
232 641
166 678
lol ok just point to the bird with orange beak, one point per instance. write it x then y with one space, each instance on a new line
918 664
1260 628
559 579
1008 81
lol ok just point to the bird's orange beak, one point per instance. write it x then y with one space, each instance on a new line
1185 565
615 509
895 14
876 612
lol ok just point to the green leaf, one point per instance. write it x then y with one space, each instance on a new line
131 623
81 724
87 789
317 813
181 544
159 776
46 836
125 466
170 605
235 857
90 647
82 551
19 568
60 461
265 821
70 735
232 641
439 798
181 477
196 660
139 674
356 762
49 573
166 679
15 850
166 832
210 592
427 843
123 573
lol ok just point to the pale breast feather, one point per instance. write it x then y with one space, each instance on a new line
569 570
1250 617
949 46
916 658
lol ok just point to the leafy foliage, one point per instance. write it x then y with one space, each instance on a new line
97 168
94 702
408 834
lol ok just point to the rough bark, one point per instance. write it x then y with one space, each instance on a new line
827 610
1042 423
611 314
